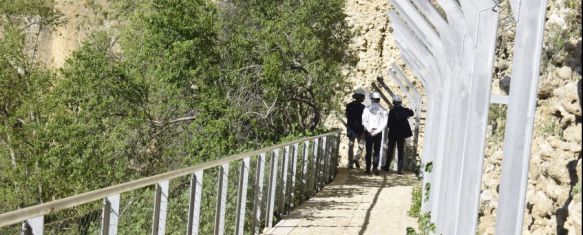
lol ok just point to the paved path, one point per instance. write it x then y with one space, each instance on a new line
354 203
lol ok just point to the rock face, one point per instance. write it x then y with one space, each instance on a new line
82 18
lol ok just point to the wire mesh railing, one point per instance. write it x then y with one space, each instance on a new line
240 194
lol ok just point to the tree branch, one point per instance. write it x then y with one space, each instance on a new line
316 119
12 154
163 123
269 109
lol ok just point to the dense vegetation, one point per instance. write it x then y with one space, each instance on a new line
180 82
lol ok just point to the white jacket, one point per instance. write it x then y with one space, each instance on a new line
375 117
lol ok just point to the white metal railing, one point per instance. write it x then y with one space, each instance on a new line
454 58
303 169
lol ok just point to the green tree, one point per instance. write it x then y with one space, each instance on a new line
185 81
23 84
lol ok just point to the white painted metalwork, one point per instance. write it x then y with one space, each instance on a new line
332 161
415 97
33 217
433 16
272 187
258 201
33 225
520 119
313 187
194 203
223 179
305 161
458 102
292 191
284 180
515 7
409 40
110 215
323 162
468 192
242 196
160 208
383 158
499 99
418 24
431 82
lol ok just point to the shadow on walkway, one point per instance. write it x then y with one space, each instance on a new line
354 203
372 205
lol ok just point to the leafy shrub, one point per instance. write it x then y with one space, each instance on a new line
416 202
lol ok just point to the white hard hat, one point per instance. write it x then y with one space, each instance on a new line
397 98
359 91
375 95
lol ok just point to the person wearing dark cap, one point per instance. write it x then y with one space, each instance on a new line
399 130
354 128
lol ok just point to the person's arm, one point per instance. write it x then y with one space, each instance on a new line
389 120
381 125
347 112
410 112
365 119
384 122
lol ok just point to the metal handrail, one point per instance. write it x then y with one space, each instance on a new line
20 215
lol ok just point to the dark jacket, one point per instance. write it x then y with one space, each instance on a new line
398 125
354 118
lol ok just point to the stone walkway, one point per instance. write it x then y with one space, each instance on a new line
354 203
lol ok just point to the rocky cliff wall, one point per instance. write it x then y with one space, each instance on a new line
81 19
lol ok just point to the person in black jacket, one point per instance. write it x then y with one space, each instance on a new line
399 130
354 128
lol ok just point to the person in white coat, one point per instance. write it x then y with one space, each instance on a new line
374 120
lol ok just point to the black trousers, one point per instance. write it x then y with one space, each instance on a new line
401 153
373 142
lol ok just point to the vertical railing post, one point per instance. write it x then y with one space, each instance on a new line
194 203
242 197
305 183
223 180
110 215
337 154
272 186
313 186
332 160
384 155
283 182
332 153
323 165
105 213
258 199
33 226
292 190
160 208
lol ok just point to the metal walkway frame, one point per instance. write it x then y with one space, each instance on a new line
454 59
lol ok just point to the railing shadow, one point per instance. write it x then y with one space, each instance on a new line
372 205
349 185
